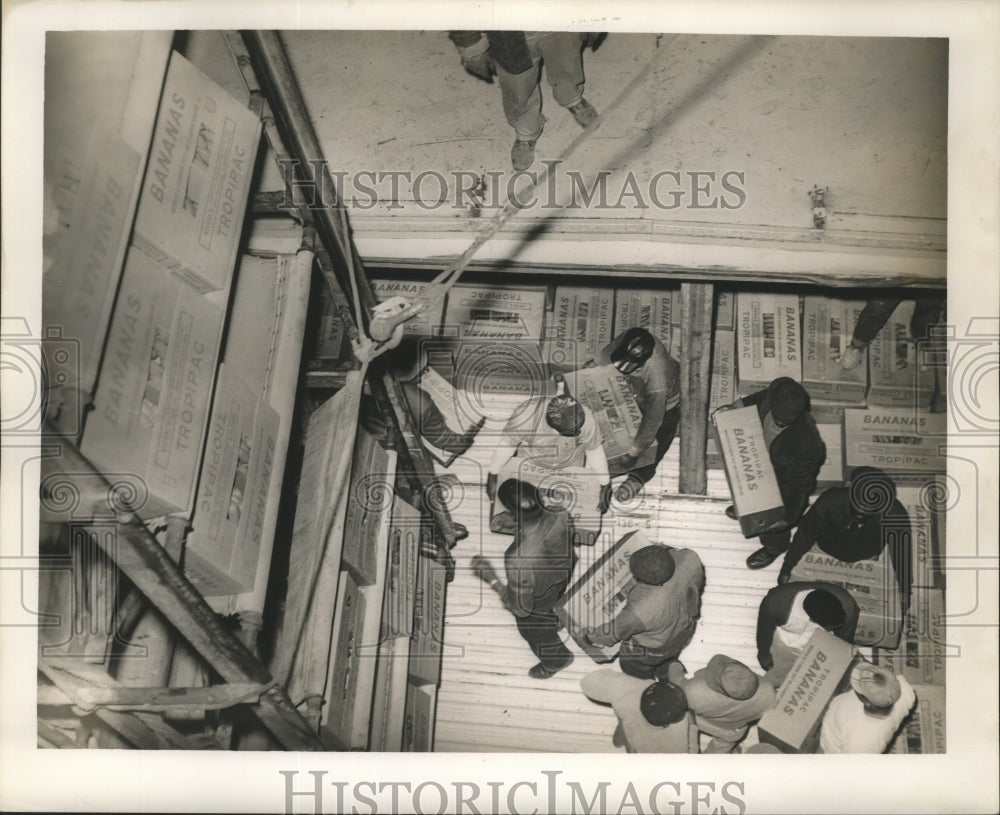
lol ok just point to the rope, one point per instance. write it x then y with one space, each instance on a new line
366 349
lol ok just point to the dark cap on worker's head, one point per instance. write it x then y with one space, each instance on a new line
565 415
663 703
519 497
824 609
653 564
877 684
731 678
872 492
636 347
788 400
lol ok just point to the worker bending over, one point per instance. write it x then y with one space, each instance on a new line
790 614
660 613
553 433
655 379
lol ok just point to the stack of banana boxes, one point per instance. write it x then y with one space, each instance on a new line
148 311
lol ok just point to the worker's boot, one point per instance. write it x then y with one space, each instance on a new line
761 559
543 671
522 154
484 570
583 112
444 558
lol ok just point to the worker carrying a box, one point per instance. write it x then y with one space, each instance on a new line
796 451
726 697
790 614
926 313
856 523
655 379
539 564
660 613
865 718
653 717
406 362
554 433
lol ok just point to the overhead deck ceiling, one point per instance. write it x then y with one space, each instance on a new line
710 157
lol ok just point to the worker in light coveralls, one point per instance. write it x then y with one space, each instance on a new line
515 58
553 433
653 717
726 697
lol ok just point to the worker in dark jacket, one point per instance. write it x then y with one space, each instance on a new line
539 564
790 614
660 613
875 314
406 362
796 451
857 523
515 57
655 379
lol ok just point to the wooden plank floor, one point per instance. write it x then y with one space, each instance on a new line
488 703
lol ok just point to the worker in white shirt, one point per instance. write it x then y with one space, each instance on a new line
553 433
865 718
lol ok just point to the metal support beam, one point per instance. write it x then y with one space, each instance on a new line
696 356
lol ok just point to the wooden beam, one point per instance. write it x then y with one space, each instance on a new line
55 737
150 567
428 247
696 356
272 72
152 631
884 271
270 69
115 697
133 728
